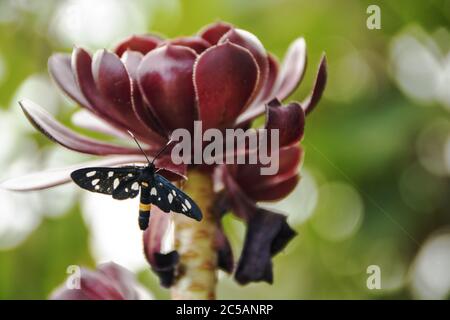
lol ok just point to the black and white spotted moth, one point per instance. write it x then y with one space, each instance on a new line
126 182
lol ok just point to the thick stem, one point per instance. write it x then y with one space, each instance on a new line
195 242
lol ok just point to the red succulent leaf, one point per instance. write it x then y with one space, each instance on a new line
249 41
165 80
54 177
163 264
59 66
132 60
169 170
87 120
197 44
109 282
273 69
112 80
318 88
289 120
54 130
124 279
114 85
213 32
61 70
292 69
140 43
271 187
225 79
275 192
287 79
82 69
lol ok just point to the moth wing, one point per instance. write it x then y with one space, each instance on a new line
168 197
128 188
118 182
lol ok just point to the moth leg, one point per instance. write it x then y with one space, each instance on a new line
144 207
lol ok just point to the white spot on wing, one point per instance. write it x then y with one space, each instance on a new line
188 204
130 174
153 192
95 181
91 173
116 183
110 174
97 187
174 193
183 207
135 186
170 198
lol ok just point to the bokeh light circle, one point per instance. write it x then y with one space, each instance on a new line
339 211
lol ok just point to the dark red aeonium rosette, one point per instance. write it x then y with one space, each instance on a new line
224 77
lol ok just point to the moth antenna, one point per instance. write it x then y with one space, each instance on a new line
137 142
162 150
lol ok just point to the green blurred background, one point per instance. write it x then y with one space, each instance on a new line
375 187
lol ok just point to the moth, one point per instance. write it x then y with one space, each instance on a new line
128 181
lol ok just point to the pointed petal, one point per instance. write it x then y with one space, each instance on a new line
132 60
114 84
283 187
213 32
267 234
60 69
292 69
62 293
140 43
195 43
109 282
82 68
250 42
163 265
319 86
272 75
54 177
257 106
290 77
88 120
165 80
54 130
225 79
98 286
289 120
169 170
271 187
124 279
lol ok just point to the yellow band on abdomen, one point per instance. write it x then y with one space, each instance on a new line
144 207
